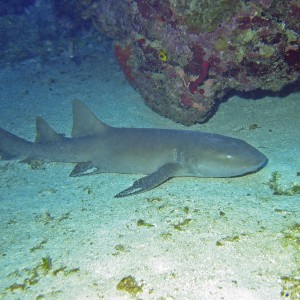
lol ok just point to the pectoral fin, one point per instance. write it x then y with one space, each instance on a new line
84 168
151 181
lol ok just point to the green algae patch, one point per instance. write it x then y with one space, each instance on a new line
64 216
181 225
141 222
222 213
27 277
166 235
46 264
277 189
16 286
221 44
291 282
290 287
39 246
154 199
67 272
186 209
228 239
59 270
120 249
129 284
292 236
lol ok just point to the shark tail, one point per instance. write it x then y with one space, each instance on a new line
12 146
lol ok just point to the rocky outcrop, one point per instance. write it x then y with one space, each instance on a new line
184 56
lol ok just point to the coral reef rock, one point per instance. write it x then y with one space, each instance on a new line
184 56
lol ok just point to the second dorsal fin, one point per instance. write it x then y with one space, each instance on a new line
45 133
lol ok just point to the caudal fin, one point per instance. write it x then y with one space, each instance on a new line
12 146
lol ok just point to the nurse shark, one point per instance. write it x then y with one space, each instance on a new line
158 153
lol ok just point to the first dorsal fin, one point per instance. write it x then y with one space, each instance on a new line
85 122
45 133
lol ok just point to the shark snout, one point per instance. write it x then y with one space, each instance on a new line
261 160
254 160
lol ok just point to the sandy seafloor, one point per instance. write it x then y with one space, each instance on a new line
190 238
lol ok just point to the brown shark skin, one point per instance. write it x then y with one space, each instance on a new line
160 153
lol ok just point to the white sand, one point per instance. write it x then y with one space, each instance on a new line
78 223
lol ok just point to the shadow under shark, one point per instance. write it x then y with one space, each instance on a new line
159 153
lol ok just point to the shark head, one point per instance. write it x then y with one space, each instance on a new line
224 159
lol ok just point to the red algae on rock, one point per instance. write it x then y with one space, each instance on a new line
204 72
123 55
